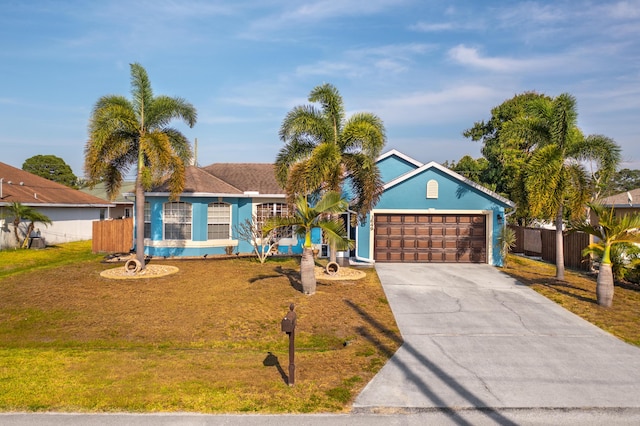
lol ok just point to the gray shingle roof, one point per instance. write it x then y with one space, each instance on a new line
258 177
622 199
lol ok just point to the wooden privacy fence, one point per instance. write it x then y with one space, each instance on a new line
542 243
112 236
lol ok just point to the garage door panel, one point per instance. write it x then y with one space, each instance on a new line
430 238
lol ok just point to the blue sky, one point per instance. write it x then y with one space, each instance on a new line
428 68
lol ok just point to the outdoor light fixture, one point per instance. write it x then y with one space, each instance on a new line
499 217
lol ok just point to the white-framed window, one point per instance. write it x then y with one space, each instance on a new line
147 219
432 189
177 221
265 211
219 221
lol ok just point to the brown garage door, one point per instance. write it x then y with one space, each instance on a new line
430 238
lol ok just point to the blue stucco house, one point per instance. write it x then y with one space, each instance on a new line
427 213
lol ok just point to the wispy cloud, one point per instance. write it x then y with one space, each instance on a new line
471 57
355 63
314 12
432 27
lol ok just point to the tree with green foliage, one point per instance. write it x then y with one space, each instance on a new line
125 134
602 156
506 152
472 169
555 181
20 212
623 180
326 151
611 231
304 220
52 168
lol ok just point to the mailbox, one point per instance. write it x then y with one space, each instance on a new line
288 323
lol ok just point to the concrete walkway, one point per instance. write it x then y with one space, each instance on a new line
476 339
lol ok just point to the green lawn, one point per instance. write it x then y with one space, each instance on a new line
206 339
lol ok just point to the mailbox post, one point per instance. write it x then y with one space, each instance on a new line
289 326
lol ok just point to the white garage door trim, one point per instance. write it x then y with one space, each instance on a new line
487 213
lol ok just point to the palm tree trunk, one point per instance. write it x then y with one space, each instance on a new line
559 247
604 285
140 223
307 271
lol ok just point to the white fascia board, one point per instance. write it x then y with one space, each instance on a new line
213 194
397 153
97 206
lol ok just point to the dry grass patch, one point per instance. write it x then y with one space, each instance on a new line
205 339
578 295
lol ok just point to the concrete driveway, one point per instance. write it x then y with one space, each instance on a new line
474 338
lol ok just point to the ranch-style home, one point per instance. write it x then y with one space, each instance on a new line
427 213
72 212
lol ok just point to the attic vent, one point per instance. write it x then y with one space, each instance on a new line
432 189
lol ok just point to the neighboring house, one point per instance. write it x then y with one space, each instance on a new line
623 203
122 205
427 213
71 211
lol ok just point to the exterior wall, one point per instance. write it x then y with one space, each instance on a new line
453 197
242 209
69 224
393 167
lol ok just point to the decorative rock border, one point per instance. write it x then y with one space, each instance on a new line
150 271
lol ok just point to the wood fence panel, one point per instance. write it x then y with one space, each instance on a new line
542 242
112 236
519 231
573 244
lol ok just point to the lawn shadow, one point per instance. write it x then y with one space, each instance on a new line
272 361
292 275
413 376
263 277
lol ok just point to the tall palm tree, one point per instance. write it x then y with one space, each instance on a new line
325 151
554 179
304 220
611 230
125 134
21 212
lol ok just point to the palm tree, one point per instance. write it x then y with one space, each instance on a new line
21 212
554 179
325 151
611 231
304 220
125 134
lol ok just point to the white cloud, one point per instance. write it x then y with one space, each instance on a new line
470 56
436 27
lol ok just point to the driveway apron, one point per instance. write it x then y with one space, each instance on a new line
476 338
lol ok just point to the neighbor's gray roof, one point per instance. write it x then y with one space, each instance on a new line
100 191
622 199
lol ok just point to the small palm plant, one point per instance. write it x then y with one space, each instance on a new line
304 220
506 242
19 212
611 231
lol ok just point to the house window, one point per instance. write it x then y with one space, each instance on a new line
177 221
127 212
267 210
218 221
147 220
432 189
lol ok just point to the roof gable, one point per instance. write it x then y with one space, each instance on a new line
453 176
393 164
26 188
